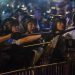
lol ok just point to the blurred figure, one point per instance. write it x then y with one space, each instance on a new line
56 48
21 57
31 28
11 54
6 30
5 43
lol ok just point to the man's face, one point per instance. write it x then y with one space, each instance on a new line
60 26
31 27
15 29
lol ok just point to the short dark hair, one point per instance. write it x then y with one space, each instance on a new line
11 20
26 21
56 20
15 22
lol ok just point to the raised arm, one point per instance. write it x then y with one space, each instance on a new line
4 38
28 39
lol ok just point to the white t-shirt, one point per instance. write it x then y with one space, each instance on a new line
71 33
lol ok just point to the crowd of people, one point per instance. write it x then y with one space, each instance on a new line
15 39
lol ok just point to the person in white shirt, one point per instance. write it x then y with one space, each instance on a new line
72 32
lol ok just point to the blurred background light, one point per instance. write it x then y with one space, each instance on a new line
18 6
7 5
57 0
23 6
48 11
3 12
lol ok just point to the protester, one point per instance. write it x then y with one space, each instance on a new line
56 48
